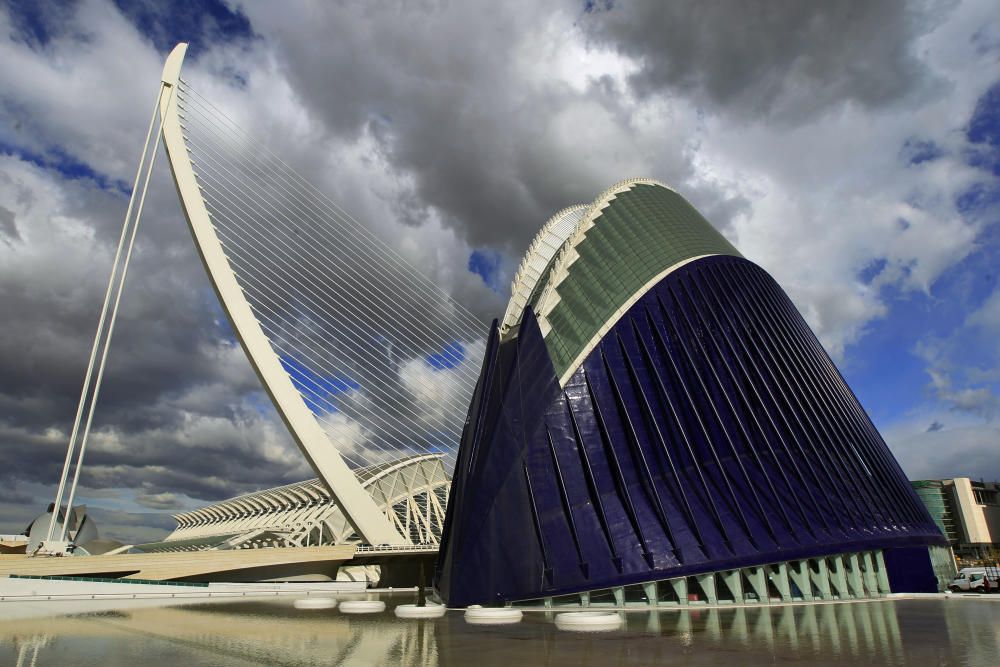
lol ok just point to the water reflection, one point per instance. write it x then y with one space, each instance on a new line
916 632
861 629
906 632
27 647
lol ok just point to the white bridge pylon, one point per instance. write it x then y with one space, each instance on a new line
316 304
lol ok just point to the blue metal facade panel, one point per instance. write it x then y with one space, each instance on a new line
709 430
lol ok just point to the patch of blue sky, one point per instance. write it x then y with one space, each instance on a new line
985 158
980 197
486 264
872 270
321 391
984 126
260 402
223 328
885 367
200 24
597 6
67 166
917 151
37 23
164 23
983 132
450 356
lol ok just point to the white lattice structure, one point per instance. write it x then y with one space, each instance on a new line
538 259
411 492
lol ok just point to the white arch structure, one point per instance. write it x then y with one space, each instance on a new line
305 400
412 492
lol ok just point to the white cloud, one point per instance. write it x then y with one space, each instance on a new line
962 447
437 390
81 91
987 316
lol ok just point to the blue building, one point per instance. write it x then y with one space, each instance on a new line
655 424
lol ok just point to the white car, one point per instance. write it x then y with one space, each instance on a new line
970 579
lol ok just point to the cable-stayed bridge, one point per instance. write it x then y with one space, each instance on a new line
366 360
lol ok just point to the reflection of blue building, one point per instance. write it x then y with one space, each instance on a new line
655 423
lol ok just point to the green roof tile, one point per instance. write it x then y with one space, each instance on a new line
644 230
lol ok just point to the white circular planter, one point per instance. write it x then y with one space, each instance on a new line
476 615
589 621
315 603
427 611
362 606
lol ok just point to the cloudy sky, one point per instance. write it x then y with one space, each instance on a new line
851 149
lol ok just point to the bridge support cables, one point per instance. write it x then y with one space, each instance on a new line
365 358
57 536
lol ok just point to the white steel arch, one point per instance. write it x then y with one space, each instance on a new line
359 509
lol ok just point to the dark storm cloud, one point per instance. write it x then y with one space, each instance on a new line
17 514
174 381
160 501
131 527
14 497
449 97
161 340
210 459
787 59
106 517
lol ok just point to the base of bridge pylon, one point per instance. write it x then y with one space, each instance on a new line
400 567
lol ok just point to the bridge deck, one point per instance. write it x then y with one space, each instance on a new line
229 565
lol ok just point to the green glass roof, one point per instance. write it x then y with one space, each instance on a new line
632 235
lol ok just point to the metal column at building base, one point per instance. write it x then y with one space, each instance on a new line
847 576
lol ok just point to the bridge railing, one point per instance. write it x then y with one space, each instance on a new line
396 547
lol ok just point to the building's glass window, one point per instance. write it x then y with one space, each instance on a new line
986 496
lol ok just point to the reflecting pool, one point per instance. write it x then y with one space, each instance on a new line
899 632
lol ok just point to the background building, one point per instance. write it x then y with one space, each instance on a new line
655 422
967 512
